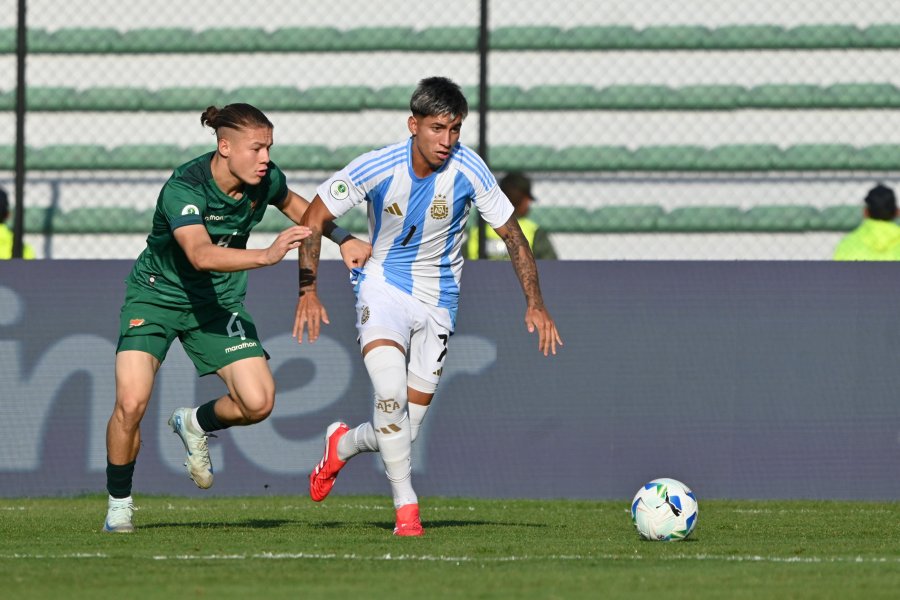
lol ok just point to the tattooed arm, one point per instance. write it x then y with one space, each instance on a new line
536 315
310 312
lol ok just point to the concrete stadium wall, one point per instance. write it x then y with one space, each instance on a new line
743 379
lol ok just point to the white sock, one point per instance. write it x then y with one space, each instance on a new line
387 370
416 416
359 439
194 422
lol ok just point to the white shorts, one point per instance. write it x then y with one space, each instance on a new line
384 312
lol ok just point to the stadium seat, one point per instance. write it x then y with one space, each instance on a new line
668 158
592 158
740 157
394 97
786 96
7 157
447 39
523 158
64 157
701 219
267 98
231 39
882 36
38 219
111 99
780 218
50 98
731 37
552 97
526 37
186 98
599 37
632 97
824 36
341 156
674 37
273 221
819 157
561 219
334 98
879 157
355 221
73 40
863 95
159 40
145 156
625 218
707 97
840 218
304 39
378 38
102 219
296 156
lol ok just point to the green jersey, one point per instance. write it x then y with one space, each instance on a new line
162 273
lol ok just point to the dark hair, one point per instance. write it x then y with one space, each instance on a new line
438 96
234 116
881 203
4 205
517 186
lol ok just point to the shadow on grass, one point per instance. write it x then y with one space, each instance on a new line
248 524
427 524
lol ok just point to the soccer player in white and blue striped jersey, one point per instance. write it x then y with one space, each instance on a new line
418 194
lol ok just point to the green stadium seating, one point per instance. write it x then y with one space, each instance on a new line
295 156
341 157
267 98
447 39
740 157
334 98
523 158
50 98
146 156
863 95
625 218
780 218
747 37
882 36
65 157
186 98
304 39
364 39
159 40
103 219
668 158
707 97
880 157
598 37
830 36
840 218
73 40
591 158
355 220
561 219
785 96
111 98
525 37
674 37
700 219
819 157
231 39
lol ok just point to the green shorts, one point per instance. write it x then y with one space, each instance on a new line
212 336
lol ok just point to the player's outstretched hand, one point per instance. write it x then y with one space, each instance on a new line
355 253
287 240
548 337
310 315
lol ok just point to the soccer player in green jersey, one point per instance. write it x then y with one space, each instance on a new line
190 283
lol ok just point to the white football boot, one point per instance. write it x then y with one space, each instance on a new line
196 445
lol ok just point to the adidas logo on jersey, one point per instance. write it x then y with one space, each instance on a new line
394 209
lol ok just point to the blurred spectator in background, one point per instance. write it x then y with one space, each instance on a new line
878 236
6 234
517 187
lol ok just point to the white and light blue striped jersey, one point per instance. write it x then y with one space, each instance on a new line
416 225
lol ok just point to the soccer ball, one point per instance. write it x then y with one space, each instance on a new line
664 510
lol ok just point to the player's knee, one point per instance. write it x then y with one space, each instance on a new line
129 409
257 406
387 370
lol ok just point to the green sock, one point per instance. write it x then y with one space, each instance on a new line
118 479
206 417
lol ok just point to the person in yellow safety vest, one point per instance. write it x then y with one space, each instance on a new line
878 236
6 234
517 187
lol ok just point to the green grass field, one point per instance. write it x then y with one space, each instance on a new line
289 547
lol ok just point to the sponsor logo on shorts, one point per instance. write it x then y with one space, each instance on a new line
364 315
135 323
241 346
339 190
190 209
439 207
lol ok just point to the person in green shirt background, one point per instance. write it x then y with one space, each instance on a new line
517 187
6 234
878 236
